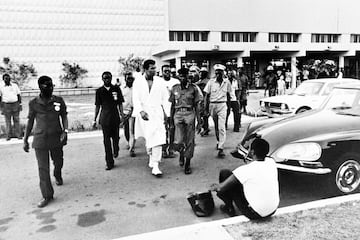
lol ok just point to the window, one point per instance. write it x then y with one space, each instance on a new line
238 36
283 37
188 36
324 38
355 38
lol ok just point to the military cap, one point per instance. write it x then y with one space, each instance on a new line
219 67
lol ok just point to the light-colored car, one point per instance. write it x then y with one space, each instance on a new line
309 95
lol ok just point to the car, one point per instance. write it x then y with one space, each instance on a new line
310 94
323 142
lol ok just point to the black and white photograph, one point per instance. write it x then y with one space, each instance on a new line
178 119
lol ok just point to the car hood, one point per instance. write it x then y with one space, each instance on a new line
304 126
284 98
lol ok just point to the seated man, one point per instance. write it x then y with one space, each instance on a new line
253 187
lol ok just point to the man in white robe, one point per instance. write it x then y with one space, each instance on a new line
149 98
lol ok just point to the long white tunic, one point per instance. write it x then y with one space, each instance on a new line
152 102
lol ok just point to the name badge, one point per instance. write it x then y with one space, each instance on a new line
115 95
57 106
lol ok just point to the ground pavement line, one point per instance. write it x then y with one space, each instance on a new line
215 230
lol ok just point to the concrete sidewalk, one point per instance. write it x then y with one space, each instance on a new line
215 229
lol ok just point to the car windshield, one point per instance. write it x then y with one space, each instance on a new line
344 101
308 88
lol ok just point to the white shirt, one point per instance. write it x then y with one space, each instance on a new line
169 84
9 94
234 87
261 185
128 103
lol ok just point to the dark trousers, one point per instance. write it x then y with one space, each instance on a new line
185 132
205 125
170 135
236 195
42 156
235 107
110 133
12 111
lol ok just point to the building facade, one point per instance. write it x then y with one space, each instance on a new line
241 33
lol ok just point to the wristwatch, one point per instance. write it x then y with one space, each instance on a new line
66 130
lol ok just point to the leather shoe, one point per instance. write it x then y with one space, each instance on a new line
116 154
188 170
59 181
109 168
132 153
44 202
221 153
229 210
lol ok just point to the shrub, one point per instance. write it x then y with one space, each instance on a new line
72 74
130 64
19 72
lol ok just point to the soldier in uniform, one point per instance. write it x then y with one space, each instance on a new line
185 101
50 135
201 84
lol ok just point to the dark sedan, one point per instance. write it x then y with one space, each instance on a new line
324 142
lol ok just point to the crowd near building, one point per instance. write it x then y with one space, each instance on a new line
248 34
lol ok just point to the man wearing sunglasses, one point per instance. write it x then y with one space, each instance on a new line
50 135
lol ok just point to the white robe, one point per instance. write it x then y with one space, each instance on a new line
152 103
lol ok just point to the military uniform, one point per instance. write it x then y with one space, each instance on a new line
47 132
109 100
184 102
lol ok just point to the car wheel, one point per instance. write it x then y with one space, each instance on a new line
301 110
346 174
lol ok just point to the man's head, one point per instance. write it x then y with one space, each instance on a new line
231 74
149 68
165 69
259 148
203 73
6 78
219 71
173 72
129 79
183 75
106 77
46 86
194 74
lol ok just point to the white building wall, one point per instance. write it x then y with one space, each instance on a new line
90 32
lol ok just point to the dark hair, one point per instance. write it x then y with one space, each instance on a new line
106 73
183 71
165 66
261 147
147 63
6 75
44 79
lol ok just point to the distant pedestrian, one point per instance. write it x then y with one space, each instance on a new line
270 81
128 107
253 187
288 78
50 135
170 130
149 97
185 101
204 115
218 91
233 103
281 85
10 106
109 100
244 89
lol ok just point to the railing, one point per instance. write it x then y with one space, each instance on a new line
61 92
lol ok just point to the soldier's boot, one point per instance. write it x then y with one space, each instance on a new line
187 169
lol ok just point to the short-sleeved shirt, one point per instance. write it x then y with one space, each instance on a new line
48 128
187 97
234 88
9 94
261 185
218 92
128 103
109 100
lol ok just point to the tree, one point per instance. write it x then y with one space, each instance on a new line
321 68
72 74
130 64
19 72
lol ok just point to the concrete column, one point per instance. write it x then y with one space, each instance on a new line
293 72
341 61
178 63
240 62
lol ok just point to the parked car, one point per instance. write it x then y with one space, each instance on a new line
324 141
308 95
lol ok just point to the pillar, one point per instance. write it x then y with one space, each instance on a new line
293 72
341 62
178 63
240 62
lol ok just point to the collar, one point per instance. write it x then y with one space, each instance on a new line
107 88
186 86
42 101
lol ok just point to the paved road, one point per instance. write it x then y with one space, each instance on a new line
98 204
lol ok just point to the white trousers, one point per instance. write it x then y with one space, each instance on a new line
155 154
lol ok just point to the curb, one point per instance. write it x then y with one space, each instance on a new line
215 230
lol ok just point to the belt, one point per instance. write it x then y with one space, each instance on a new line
183 109
218 102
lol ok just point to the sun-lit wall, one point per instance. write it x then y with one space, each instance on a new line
92 33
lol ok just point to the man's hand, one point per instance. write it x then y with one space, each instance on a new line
63 138
26 146
144 115
214 187
94 126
